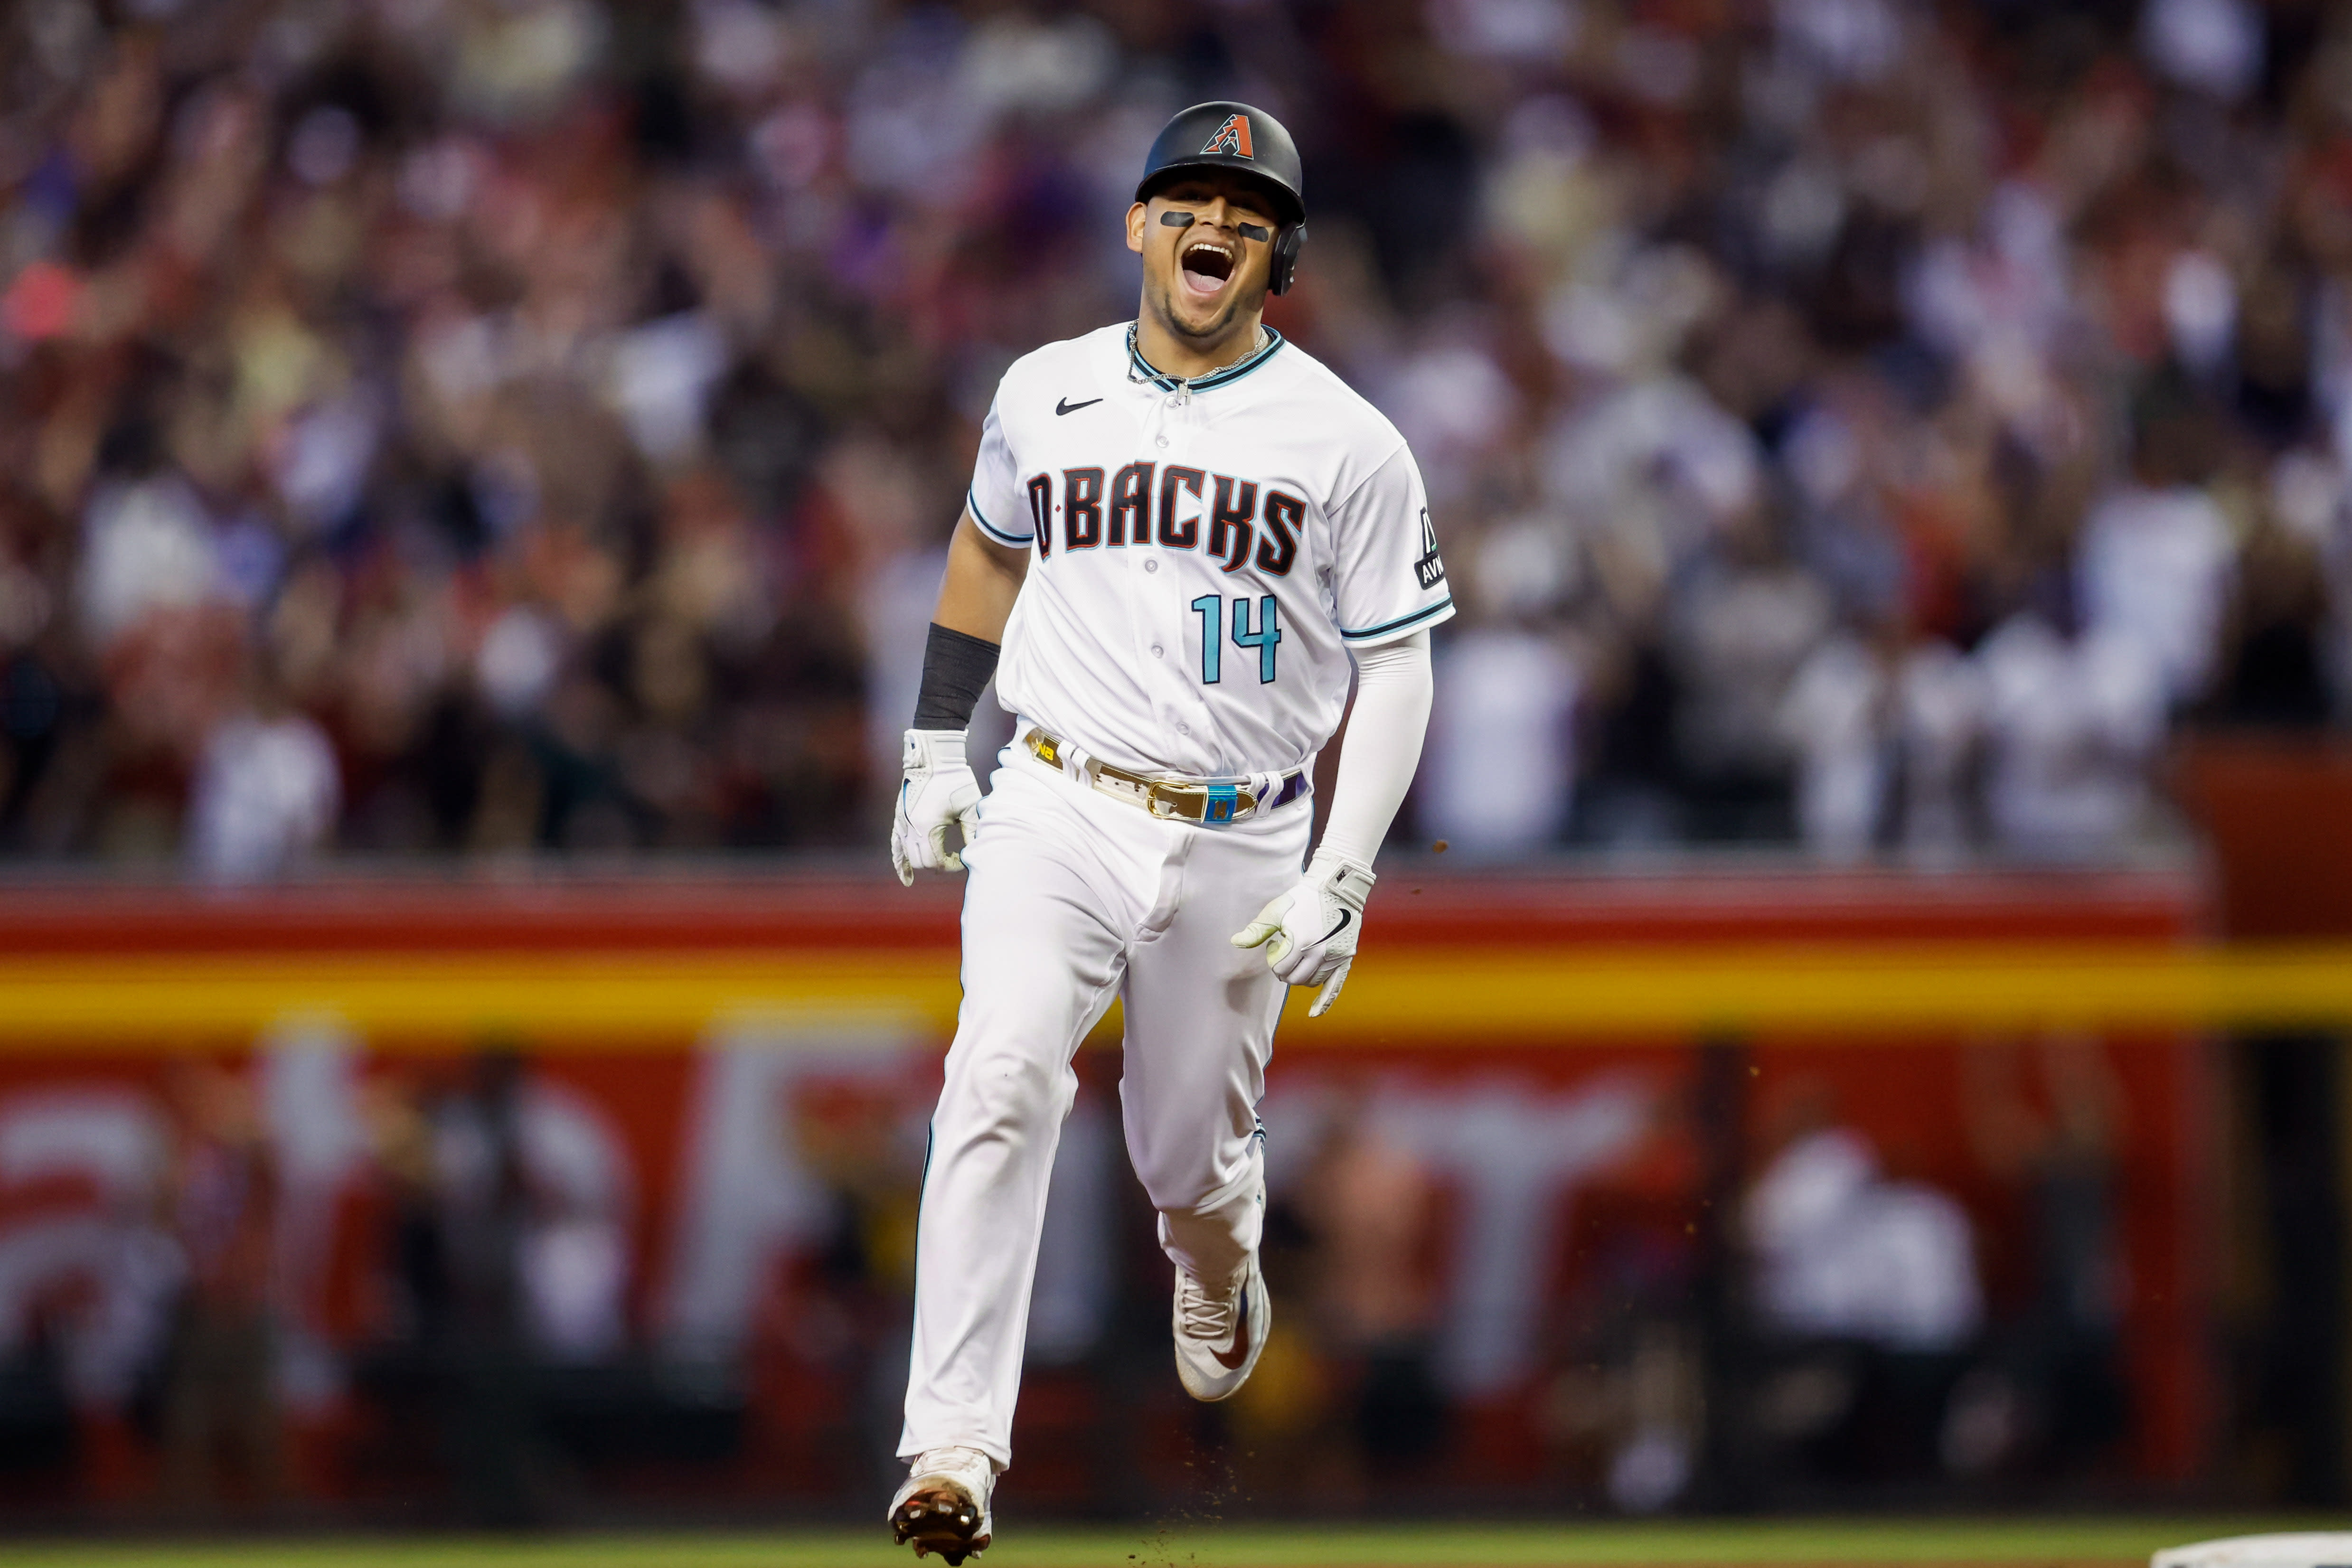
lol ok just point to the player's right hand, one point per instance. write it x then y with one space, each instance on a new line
939 789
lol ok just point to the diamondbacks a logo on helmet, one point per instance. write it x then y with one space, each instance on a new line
1232 136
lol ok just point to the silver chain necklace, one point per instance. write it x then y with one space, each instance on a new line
1184 384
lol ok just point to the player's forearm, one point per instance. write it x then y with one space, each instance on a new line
1382 748
975 600
982 581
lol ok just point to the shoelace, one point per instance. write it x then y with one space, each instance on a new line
1206 1316
941 1462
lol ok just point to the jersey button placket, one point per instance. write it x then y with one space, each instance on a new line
1176 416
1148 606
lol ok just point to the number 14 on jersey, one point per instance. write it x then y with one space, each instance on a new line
1264 638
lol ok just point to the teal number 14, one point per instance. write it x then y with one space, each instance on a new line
1267 633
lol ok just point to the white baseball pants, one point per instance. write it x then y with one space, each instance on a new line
1073 897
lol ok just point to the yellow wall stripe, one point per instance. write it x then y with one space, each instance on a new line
1417 996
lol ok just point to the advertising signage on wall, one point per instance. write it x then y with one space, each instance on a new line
694 1218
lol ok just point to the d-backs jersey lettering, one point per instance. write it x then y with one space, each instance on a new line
1200 564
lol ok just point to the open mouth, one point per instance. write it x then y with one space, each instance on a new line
1206 265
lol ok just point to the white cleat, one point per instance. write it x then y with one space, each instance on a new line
1220 1334
943 1506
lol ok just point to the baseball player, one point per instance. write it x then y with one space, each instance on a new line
1180 532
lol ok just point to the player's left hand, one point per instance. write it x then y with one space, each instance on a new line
1309 932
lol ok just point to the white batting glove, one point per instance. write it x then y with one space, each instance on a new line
1309 932
939 789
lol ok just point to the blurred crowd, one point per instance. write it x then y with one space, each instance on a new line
224 1289
493 425
1832 1311
238 1289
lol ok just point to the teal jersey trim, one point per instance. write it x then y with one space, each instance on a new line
972 503
1401 623
1140 367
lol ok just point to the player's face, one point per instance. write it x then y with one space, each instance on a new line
1207 244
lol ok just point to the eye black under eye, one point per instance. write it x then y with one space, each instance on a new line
1252 231
1177 220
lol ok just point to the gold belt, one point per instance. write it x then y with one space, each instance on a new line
1191 800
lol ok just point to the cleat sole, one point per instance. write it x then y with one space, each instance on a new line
943 1521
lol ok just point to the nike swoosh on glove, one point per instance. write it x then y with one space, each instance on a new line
939 789
1309 932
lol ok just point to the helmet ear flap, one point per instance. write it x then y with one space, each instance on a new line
1284 270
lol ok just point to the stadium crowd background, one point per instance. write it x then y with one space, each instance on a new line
483 425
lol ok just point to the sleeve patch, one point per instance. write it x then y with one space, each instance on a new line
1428 570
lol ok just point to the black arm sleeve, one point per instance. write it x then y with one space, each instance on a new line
956 670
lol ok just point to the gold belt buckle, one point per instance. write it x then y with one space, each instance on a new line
1172 799
1161 798
1211 804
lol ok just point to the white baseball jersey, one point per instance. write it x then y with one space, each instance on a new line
1203 558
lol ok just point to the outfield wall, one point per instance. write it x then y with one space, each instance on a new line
1587 1068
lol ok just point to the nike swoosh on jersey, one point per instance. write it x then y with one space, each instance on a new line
1064 405
1233 1360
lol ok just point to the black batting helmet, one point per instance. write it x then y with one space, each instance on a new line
1226 135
